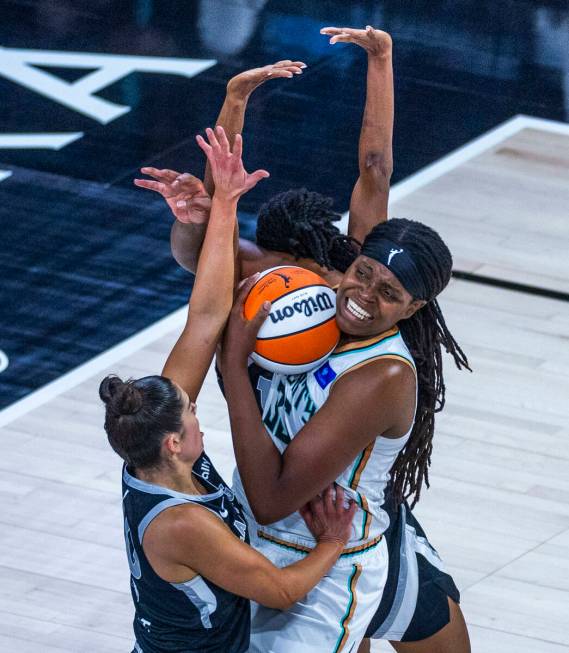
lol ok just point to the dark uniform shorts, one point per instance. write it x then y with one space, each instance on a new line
414 604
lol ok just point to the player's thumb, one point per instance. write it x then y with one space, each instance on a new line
261 316
255 177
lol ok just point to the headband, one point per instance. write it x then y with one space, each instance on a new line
398 260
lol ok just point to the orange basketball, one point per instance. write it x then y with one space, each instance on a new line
300 331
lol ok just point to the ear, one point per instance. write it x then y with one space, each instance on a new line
171 444
413 307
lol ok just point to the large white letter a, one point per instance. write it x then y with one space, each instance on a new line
18 66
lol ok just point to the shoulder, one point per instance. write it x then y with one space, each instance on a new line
182 524
375 374
382 390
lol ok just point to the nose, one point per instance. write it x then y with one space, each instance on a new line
366 293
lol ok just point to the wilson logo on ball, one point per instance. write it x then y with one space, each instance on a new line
321 302
300 331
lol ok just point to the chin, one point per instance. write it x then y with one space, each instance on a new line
355 328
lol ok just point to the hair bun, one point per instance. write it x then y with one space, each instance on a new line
121 398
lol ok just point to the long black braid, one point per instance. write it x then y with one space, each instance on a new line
425 334
301 223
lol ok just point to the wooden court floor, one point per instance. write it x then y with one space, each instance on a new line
498 507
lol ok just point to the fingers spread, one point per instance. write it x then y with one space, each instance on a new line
238 146
255 177
212 139
339 38
223 142
341 30
163 174
204 146
187 178
150 185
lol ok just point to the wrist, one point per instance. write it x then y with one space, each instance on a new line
332 540
236 99
379 58
234 369
224 200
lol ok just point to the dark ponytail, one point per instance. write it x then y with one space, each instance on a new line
139 413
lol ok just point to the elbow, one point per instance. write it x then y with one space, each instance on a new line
378 168
268 512
180 253
263 515
285 601
281 597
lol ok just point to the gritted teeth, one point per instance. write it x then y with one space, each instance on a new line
357 311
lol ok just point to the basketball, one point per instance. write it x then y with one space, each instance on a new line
300 330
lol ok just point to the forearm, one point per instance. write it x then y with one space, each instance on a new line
258 460
368 204
375 152
213 290
186 240
231 118
289 584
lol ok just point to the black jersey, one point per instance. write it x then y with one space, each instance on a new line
185 617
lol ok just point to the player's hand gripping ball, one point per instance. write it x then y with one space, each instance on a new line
300 331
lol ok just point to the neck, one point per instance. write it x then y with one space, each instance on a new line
175 477
346 338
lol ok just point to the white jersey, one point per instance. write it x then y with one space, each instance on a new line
288 402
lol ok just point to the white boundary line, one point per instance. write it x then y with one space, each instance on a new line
174 321
466 153
177 319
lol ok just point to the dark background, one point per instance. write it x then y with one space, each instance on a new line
85 258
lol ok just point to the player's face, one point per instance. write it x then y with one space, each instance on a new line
371 300
192 437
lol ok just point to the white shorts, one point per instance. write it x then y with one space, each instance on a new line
333 617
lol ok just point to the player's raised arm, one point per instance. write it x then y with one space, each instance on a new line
187 236
368 204
212 295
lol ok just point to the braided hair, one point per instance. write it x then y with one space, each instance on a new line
300 223
425 334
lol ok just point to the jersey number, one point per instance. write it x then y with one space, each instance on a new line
133 561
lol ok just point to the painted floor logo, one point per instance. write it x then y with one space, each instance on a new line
4 362
102 70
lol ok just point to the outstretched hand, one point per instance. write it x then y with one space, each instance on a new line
242 85
185 194
327 516
375 42
229 176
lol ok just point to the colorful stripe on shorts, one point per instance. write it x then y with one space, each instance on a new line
352 604
357 472
299 548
